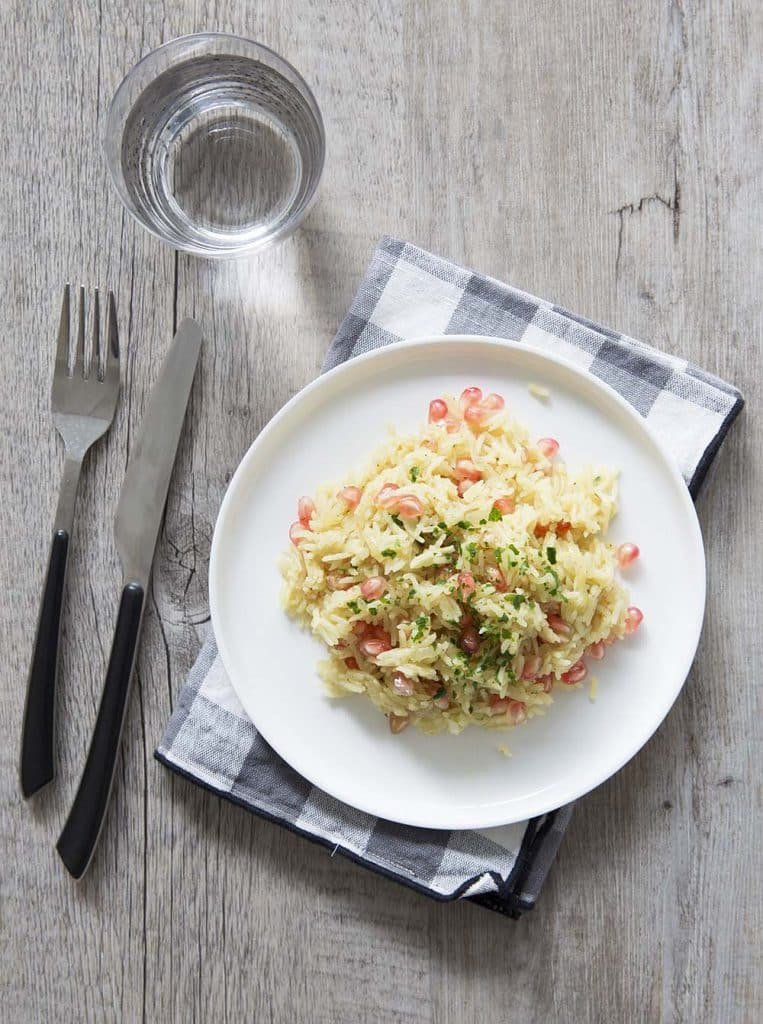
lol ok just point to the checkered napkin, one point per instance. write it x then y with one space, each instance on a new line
408 292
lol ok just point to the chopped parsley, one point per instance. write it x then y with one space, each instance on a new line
512 548
389 553
495 515
421 624
414 473
517 600
442 692
354 607
443 526
471 550
464 524
483 522
373 611
551 552
553 591
397 520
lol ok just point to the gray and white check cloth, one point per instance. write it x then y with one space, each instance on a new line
405 293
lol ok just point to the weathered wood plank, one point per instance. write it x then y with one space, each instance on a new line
604 156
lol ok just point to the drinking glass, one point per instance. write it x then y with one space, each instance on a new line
216 145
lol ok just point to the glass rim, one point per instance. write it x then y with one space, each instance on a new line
114 120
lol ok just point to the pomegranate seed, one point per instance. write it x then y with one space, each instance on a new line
409 507
493 402
466 470
336 582
452 424
549 446
497 578
596 651
563 527
575 674
430 686
361 628
398 722
546 682
466 583
352 664
531 667
438 410
626 554
373 646
469 640
633 619
443 702
475 415
517 711
402 685
305 511
540 530
296 531
469 397
373 588
505 505
559 626
351 496
463 486
387 496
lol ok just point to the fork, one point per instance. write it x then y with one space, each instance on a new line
83 401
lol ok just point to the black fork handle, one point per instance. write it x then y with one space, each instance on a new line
79 837
36 766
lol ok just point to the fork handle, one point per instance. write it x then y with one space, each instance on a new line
79 837
36 767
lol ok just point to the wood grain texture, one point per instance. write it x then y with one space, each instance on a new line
603 155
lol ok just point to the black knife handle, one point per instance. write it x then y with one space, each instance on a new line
36 765
79 837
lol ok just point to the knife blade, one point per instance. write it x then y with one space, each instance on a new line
136 528
144 491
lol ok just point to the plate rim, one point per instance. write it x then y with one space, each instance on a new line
351 366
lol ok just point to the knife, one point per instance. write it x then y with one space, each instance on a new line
136 528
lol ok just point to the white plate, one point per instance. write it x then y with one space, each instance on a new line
344 746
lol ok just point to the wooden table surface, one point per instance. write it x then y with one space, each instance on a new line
604 155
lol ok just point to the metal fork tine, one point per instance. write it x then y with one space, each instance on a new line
79 362
62 346
96 363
